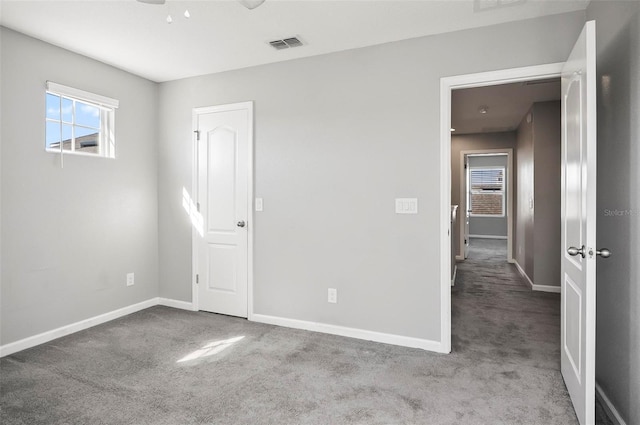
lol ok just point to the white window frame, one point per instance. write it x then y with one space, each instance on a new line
503 191
107 107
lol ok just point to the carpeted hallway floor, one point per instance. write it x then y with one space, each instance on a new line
167 366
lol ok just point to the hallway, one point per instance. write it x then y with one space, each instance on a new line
496 317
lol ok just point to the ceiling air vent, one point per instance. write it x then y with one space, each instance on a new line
285 43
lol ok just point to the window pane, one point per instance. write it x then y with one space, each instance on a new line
53 107
86 139
66 137
487 179
52 136
67 110
75 125
87 115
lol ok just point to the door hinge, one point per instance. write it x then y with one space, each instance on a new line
465 166
198 206
197 278
197 134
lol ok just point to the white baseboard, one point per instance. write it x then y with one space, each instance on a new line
487 237
32 341
522 272
455 272
610 409
534 287
547 288
404 341
44 337
182 305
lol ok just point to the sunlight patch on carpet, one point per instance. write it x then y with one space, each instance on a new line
211 349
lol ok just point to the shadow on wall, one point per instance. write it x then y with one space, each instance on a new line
617 339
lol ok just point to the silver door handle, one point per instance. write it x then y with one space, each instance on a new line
603 252
241 224
573 251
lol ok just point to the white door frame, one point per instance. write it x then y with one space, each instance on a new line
194 190
509 207
483 79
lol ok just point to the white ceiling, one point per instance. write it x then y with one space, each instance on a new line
506 105
223 35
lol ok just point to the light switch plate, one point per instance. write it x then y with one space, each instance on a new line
406 205
258 204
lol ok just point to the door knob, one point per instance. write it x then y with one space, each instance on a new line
573 251
603 252
241 224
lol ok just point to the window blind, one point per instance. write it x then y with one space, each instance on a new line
491 179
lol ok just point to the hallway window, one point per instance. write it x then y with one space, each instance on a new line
487 192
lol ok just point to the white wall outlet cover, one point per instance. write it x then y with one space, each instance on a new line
259 204
332 295
130 279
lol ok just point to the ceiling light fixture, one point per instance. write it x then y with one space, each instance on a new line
483 109
187 14
169 19
249 4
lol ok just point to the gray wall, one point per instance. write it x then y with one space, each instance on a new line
618 292
337 138
466 142
490 226
547 185
523 241
69 236
537 223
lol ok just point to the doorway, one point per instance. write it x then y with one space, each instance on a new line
447 85
485 197
534 73
578 209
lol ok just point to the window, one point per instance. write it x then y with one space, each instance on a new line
487 191
79 122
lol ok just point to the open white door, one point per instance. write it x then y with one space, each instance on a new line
578 304
223 163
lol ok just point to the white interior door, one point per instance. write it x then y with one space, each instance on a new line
579 224
223 150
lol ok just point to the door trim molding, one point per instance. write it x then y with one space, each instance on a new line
248 106
504 76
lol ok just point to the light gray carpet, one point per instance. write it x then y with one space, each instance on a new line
504 368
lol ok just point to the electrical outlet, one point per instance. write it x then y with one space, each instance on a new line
259 204
130 279
332 295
